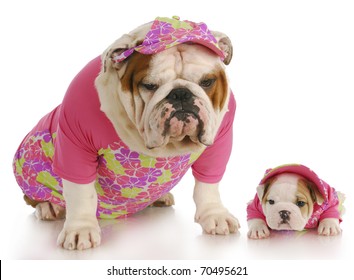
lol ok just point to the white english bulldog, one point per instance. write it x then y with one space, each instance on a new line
157 109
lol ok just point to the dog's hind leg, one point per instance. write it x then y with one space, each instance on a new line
32 166
164 201
46 211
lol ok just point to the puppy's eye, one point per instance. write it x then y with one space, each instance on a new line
206 83
150 87
300 203
271 201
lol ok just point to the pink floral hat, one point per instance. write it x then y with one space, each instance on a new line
298 169
169 32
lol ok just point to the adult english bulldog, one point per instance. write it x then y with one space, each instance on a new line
131 124
293 197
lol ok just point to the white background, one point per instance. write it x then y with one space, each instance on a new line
292 76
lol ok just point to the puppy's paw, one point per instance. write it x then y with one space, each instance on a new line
48 211
80 235
257 229
216 219
329 227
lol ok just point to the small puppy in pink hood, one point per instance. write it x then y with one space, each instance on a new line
293 197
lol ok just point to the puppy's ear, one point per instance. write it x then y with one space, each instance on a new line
263 189
260 191
316 196
225 45
127 41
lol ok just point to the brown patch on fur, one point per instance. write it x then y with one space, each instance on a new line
267 185
30 202
316 196
305 193
219 90
137 69
166 200
55 214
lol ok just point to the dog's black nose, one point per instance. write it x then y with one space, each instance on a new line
285 215
179 95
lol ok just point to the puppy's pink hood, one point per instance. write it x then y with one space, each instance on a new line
301 170
169 32
328 209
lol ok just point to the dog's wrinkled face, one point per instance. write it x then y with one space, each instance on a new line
287 201
178 94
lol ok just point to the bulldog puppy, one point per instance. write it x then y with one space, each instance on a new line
292 197
131 124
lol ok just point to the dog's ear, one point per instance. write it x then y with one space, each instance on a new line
263 189
225 45
260 191
127 41
316 196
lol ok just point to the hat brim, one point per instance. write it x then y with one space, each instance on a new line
298 169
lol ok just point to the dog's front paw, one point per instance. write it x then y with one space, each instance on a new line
329 227
216 219
257 229
80 235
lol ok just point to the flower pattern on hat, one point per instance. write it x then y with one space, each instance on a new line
166 33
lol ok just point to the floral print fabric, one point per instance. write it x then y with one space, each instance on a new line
33 169
126 183
166 33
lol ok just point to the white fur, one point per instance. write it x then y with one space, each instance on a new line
283 192
183 66
81 229
257 229
210 212
180 66
329 226
48 211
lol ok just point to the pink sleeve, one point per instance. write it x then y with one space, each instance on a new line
332 209
331 212
73 160
254 209
211 165
75 157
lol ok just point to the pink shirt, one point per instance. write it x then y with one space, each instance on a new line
77 142
82 130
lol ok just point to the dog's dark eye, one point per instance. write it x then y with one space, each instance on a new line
150 87
300 203
271 201
207 83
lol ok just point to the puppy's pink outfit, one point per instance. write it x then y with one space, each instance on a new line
77 142
328 209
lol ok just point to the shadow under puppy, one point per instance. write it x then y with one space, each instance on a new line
293 197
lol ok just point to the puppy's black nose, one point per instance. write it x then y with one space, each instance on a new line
285 215
179 95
